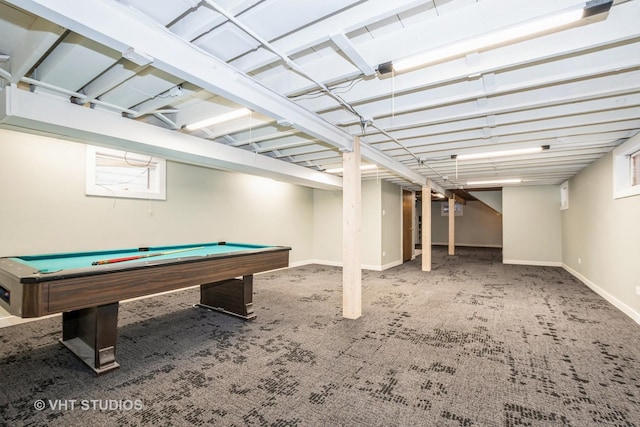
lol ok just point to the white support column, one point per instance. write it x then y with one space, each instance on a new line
351 226
425 238
452 226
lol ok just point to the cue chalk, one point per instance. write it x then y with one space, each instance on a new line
46 271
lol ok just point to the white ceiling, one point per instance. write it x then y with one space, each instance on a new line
307 70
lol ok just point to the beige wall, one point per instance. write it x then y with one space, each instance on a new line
370 237
379 233
479 225
327 227
601 237
532 225
391 232
44 208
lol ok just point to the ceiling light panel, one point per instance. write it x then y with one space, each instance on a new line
491 39
503 153
221 118
496 182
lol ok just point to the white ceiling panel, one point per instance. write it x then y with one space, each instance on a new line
61 67
162 11
144 86
226 42
275 18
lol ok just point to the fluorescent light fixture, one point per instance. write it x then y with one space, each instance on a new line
236 114
499 37
496 181
362 168
491 154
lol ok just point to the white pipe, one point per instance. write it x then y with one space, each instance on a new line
54 88
5 74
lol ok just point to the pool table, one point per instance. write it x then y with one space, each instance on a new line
87 287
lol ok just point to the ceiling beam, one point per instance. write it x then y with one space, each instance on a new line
513 90
171 54
346 21
619 27
35 113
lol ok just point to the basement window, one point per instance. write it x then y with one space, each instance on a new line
626 169
564 196
115 173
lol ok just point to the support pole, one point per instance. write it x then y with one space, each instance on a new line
452 226
425 238
351 226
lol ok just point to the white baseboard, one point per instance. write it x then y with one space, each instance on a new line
536 263
10 320
467 245
385 266
316 261
339 264
634 315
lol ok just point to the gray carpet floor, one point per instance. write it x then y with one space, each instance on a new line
472 343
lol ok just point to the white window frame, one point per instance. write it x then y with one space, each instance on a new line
157 171
564 196
623 168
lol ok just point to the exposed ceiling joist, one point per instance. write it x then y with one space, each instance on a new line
309 79
29 112
172 55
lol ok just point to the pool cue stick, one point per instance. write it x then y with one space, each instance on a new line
130 258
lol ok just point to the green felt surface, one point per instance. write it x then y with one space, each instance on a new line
67 261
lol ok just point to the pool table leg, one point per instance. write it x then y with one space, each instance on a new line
91 334
234 297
